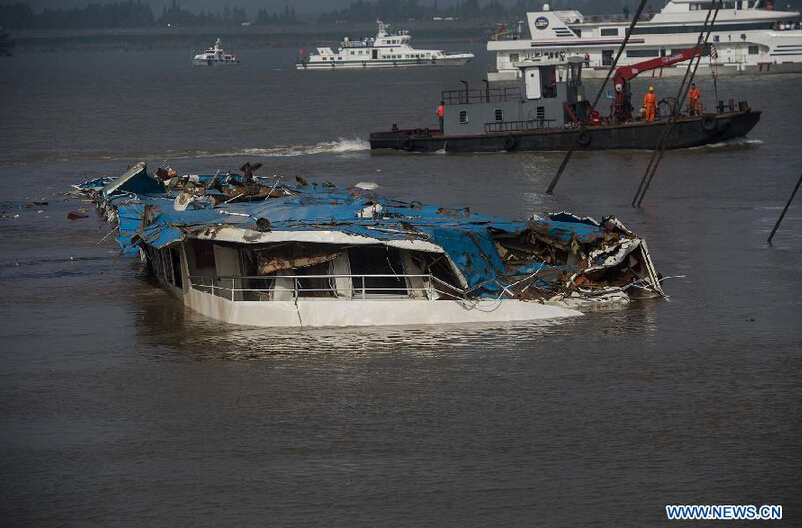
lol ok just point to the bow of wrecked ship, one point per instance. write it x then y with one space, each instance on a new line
256 251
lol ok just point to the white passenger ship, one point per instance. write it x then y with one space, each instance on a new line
749 37
215 56
385 50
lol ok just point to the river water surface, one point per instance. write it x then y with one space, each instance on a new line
119 407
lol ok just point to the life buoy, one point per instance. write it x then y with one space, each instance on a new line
509 143
409 145
709 122
583 139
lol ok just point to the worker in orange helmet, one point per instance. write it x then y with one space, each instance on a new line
440 114
694 95
650 104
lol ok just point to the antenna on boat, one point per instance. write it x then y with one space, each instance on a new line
570 152
682 94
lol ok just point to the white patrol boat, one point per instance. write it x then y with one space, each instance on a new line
749 36
214 56
382 51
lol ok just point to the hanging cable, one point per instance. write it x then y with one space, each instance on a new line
690 73
598 95
782 215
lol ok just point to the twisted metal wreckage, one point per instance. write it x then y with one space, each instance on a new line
252 250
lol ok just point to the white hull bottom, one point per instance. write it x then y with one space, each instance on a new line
704 71
383 64
333 312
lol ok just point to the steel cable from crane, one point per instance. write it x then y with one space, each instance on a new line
570 152
785 210
685 86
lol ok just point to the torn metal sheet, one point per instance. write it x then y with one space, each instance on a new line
291 256
135 180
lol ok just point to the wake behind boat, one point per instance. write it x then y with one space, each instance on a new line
215 56
382 51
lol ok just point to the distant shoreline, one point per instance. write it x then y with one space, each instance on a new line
236 37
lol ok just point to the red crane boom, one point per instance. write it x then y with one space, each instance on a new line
622 109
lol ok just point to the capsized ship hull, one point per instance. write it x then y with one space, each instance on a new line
638 135
253 251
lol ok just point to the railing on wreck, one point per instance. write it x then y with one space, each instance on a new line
492 95
512 126
239 287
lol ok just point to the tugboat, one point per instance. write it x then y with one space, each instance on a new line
383 51
548 111
6 44
215 56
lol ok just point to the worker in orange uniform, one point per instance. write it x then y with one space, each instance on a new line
440 114
650 104
694 95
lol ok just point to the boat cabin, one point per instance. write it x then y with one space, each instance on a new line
549 94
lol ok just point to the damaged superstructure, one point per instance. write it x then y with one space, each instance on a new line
256 251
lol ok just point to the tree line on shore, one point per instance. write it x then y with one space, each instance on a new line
135 13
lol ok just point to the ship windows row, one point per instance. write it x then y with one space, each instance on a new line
706 6
291 270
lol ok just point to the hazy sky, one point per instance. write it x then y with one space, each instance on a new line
251 6
301 6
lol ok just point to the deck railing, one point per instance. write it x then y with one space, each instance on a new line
263 287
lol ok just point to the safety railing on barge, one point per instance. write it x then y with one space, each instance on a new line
263 287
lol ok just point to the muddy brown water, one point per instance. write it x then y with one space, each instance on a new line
119 407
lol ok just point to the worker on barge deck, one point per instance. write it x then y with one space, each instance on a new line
650 104
440 114
693 96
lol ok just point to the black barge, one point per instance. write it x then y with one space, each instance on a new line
549 112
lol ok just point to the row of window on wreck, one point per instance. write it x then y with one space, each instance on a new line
315 270
282 271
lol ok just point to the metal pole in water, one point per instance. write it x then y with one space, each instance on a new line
553 183
779 220
690 73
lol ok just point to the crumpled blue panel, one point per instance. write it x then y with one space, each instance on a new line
467 238
137 181
130 219
161 235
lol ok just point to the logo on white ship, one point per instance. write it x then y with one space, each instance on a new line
542 23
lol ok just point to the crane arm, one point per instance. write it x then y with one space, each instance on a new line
627 73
